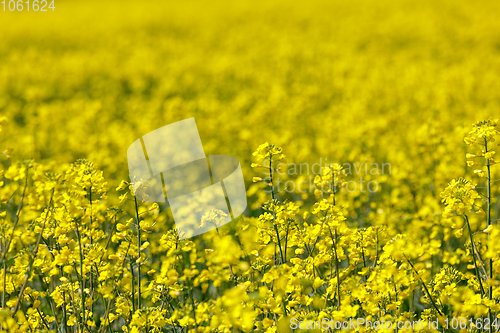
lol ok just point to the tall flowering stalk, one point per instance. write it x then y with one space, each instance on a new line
331 178
484 133
272 156
459 197
265 154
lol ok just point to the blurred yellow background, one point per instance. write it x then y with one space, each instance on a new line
347 80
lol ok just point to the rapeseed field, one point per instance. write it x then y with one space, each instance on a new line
366 132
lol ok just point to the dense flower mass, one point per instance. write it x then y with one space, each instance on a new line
312 98
75 261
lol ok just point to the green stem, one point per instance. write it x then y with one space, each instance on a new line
7 246
376 249
335 242
194 308
32 259
337 271
18 213
4 284
274 214
425 287
132 285
82 279
274 224
138 256
474 255
488 220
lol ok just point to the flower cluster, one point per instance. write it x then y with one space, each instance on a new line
459 197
